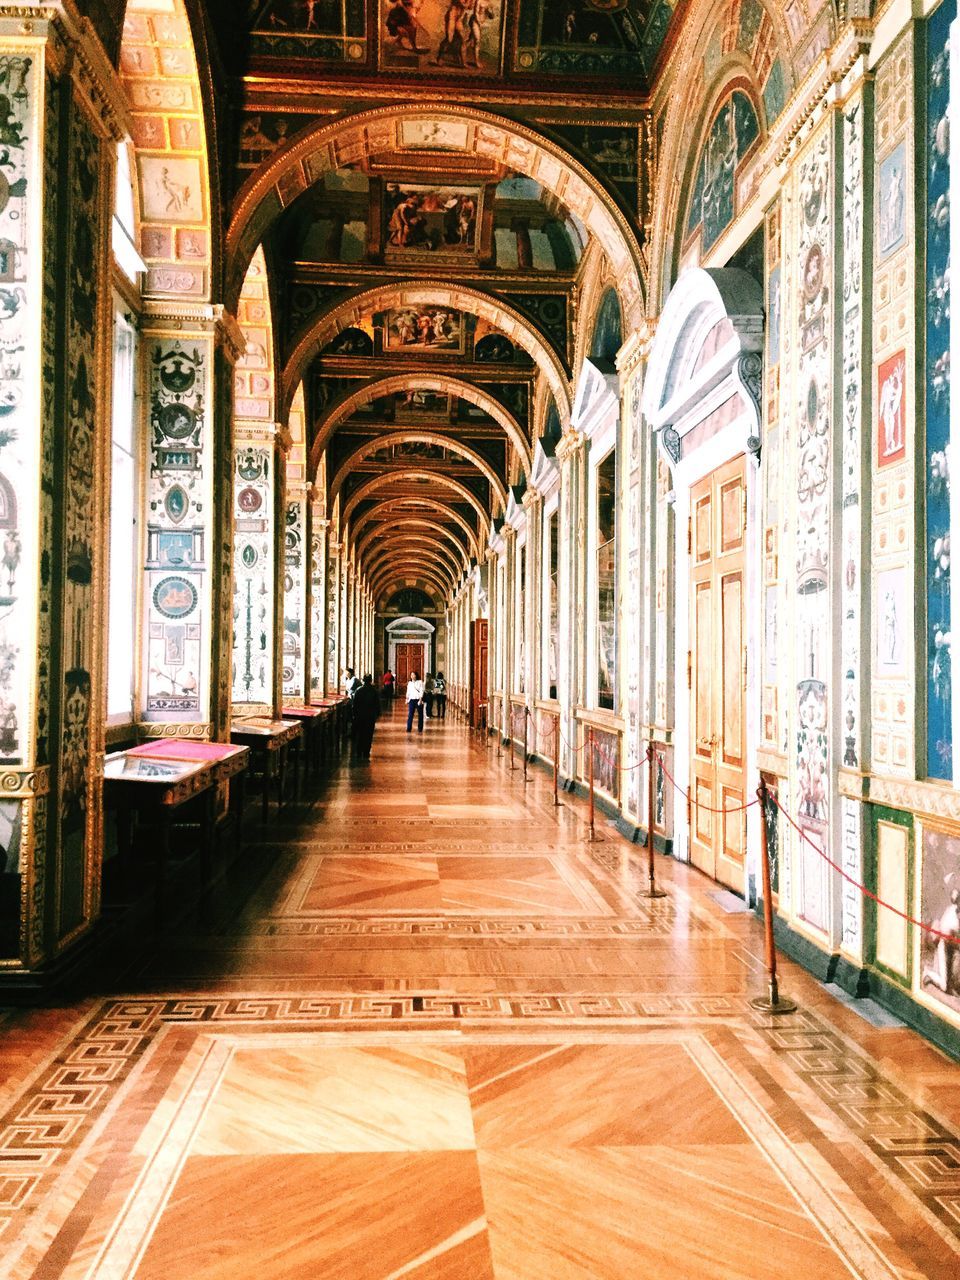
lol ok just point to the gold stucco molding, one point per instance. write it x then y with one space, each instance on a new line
195 731
22 784
924 799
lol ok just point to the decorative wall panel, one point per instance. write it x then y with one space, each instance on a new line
772 664
892 536
253 578
937 559
179 502
17 442
814 300
295 548
80 567
854 520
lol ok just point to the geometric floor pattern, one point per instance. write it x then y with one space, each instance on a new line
426 1030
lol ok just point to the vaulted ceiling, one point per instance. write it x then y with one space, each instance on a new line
424 281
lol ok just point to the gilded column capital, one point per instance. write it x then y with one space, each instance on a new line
569 444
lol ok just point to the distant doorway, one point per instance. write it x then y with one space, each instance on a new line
409 659
718 526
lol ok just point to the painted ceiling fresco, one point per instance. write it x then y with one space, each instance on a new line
402 217
464 39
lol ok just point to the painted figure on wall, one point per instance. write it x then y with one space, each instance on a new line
732 134
431 218
424 328
891 410
891 200
454 35
940 911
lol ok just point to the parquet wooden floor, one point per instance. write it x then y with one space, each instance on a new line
425 1029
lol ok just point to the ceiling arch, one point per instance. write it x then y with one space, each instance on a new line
350 313
420 437
416 508
441 383
178 226
373 486
408 566
446 128
400 528
438 552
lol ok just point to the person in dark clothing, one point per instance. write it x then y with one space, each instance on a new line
440 696
366 712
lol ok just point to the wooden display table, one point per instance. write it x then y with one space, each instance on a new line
270 742
228 763
313 719
157 789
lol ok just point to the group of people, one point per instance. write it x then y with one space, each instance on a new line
366 703
429 694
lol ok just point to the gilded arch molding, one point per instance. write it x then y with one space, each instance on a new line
446 128
420 437
441 383
433 477
174 182
457 297
406 567
418 509
420 544
400 528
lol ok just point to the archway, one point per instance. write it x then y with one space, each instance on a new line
702 400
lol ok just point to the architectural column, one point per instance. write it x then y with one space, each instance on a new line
636 618
258 469
188 353
533 597
571 454
509 625
296 612
62 114
319 616
343 647
334 593
493 627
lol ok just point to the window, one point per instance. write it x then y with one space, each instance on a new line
607 582
552 558
122 639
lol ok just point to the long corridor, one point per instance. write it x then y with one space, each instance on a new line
427 1030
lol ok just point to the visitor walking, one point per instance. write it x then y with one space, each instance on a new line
440 696
388 683
366 713
428 694
415 701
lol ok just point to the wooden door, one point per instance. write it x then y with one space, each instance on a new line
478 669
717 673
409 659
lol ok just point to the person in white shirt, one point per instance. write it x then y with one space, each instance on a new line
415 701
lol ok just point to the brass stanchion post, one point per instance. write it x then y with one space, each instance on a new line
556 761
593 807
773 1002
652 891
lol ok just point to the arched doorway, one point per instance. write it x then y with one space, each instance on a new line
409 644
702 398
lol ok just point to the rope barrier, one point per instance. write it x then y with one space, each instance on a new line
742 808
952 938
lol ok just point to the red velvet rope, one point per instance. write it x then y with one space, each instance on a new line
690 800
951 938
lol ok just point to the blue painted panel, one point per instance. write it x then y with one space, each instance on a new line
937 392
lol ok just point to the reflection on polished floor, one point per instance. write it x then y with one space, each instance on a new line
431 1032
